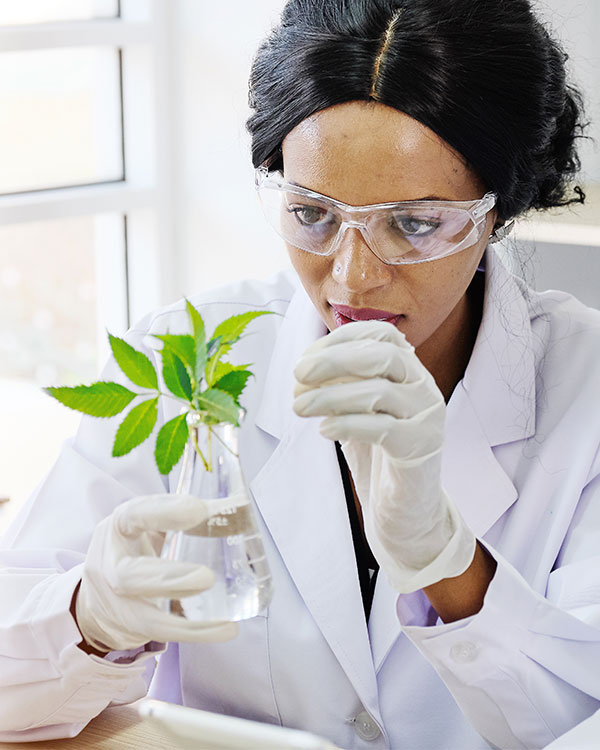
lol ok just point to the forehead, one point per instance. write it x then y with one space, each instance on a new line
365 152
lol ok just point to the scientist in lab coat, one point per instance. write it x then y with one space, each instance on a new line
422 433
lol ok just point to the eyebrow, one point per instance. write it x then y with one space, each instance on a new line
412 200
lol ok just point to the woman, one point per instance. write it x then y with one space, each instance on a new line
395 141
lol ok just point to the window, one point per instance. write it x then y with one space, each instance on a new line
84 212
40 11
69 99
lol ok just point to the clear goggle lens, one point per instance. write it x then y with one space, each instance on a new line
410 232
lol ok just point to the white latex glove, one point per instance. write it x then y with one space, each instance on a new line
121 600
386 410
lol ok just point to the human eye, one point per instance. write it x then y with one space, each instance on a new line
411 225
310 216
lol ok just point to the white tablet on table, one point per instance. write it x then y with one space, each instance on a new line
202 730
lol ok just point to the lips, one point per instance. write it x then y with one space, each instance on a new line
344 314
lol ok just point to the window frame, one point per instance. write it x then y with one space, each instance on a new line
142 199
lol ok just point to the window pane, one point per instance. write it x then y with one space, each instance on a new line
39 11
49 335
60 118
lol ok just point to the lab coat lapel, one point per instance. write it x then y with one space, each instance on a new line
300 496
494 404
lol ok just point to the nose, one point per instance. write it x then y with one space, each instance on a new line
355 266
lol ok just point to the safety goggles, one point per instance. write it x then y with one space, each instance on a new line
397 233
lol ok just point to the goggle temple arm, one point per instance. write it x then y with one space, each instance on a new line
484 205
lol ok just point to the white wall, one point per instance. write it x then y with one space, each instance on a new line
577 23
220 232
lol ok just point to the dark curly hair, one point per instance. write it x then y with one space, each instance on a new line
485 75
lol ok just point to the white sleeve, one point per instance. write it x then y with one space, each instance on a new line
526 668
48 686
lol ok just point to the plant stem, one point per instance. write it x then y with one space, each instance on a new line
193 432
168 394
209 443
223 443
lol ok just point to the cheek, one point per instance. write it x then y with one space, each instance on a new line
431 291
311 269
436 289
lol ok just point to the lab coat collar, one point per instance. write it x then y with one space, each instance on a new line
300 327
500 378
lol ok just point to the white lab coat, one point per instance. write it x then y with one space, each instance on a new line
521 462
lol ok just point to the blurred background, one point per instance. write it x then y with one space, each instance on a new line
126 182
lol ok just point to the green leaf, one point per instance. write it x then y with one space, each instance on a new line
219 406
228 331
138 368
170 443
101 399
136 427
175 375
232 328
214 362
199 341
222 368
182 347
233 383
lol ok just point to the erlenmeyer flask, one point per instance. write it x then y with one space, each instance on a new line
228 541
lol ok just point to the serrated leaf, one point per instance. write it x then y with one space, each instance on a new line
232 328
136 427
101 399
175 375
218 405
182 347
170 443
213 363
199 341
136 365
223 368
233 383
228 331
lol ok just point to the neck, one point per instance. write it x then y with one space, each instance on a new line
447 353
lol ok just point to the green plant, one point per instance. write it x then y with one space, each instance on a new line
194 373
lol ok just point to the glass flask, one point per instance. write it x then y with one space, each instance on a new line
228 541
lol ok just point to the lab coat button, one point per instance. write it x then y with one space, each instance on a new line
464 652
365 727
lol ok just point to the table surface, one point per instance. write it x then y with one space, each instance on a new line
122 729
116 728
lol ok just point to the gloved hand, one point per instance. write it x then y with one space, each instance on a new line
121 601
386 410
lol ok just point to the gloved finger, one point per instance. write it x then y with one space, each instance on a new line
170 628
300 388
146 577
360 428
375 396
160 513
376 330
357 359
412 439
